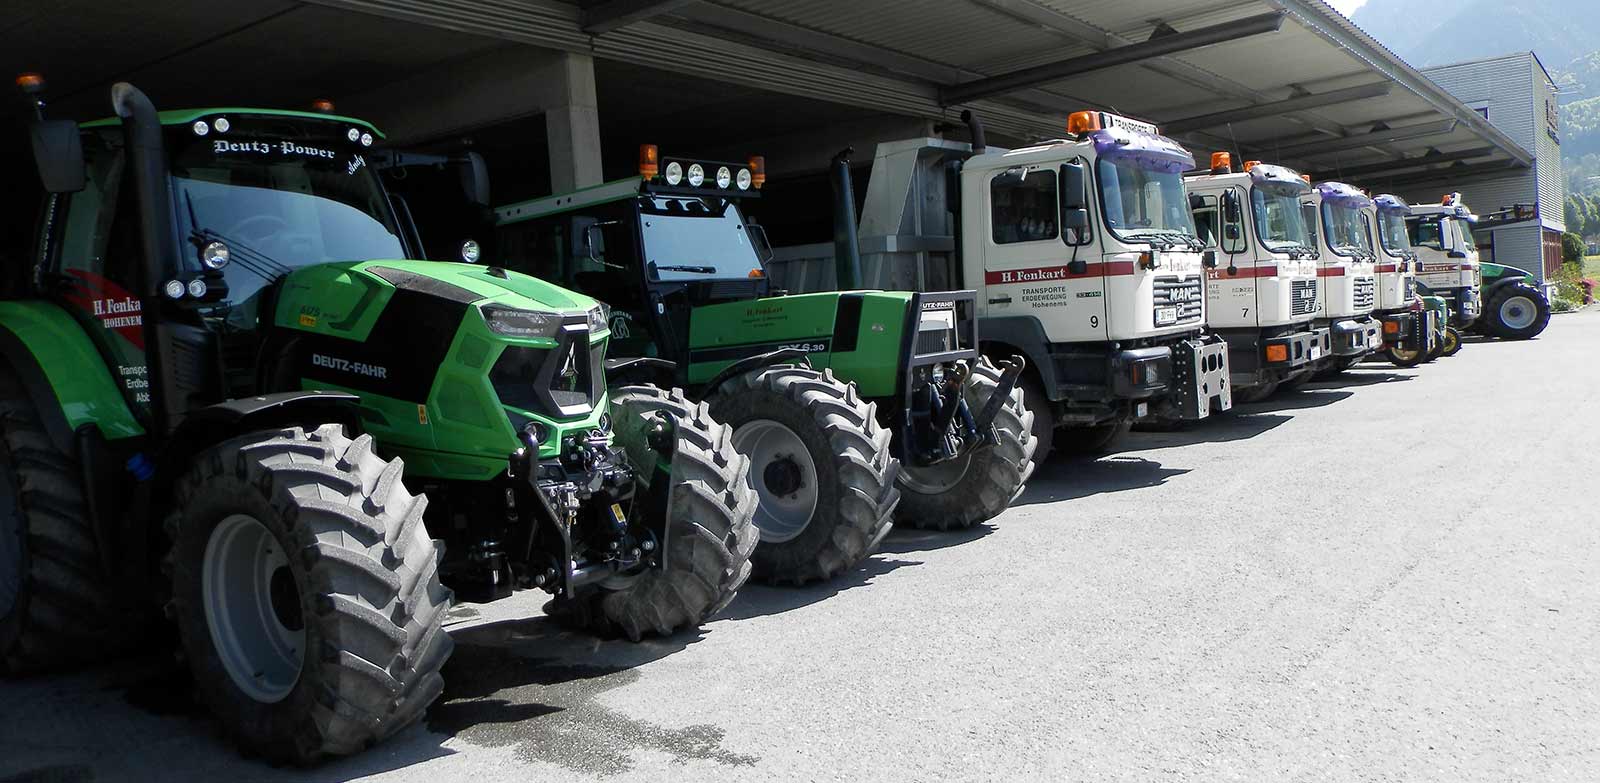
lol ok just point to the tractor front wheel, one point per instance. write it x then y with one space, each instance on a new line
710 521
978 485
56 609
1452 341
306 591
1406 358
821 465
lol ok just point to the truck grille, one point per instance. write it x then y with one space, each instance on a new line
1178 300
1302 297
1366 293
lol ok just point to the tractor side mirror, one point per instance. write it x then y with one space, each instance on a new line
58 152
1074 196
594 242
474 178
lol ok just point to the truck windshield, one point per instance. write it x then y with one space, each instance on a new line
1145 205
1345 228
1392 233
1280 223
1467 242
695 239
280 199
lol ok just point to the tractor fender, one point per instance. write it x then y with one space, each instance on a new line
1490 288
214 424
647 369
1007 336
797 356
67 378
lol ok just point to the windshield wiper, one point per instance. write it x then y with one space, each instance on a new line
699 270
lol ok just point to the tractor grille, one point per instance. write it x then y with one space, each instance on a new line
1366 293
1178 300
1302 297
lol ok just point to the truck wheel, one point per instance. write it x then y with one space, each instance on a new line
1516 311
979 485
306 591
1295 381
1337 367
1452 341
710 517
1257 393
1089 441
820 463
55 608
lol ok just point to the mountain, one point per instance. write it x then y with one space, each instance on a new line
1424 34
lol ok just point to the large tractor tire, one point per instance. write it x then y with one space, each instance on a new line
1044 419
711 531
820 463
979 485
306 591
1092 441
56 609
1516 311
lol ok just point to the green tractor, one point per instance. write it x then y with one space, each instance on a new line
847 402
214 381
1514 306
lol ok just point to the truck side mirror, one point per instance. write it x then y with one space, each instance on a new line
1209 259
1231 213
1076 221
1073 192
58 153
1077 266
1456 254
1230 232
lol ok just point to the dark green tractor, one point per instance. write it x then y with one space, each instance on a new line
851 404
224 393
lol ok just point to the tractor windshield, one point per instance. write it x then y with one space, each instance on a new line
1392 233
695 239
1345 228
281 195
1280 223
1144 204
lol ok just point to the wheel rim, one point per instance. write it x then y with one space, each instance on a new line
10 544
253 609
784 477
1518 312
1404 356
935 479
1451 341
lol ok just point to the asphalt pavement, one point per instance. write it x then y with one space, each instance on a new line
1395 576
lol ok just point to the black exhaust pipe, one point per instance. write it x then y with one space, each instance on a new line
975 128
846 249
141 132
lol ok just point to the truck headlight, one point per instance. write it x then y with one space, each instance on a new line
599 317
523 324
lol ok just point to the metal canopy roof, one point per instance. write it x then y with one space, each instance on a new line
1314 92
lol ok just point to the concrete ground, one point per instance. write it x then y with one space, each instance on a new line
1391 577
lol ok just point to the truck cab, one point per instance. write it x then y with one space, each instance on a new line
1447 257
1406 324
1346 271
1261 295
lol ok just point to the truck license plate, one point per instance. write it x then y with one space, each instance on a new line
1141 410
1316 351
1166 316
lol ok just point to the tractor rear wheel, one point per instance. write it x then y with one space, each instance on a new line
821 465
978 485
1516 311
56 609
307 594
710 522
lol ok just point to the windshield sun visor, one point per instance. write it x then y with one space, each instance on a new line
1343 195
1278 179
1391 204
1157 153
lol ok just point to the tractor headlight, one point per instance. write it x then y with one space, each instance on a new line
599 317
522 324
743 180
697 175
674 173
724 177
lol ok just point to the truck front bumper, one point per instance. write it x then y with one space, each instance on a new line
1293 351
1356 338
1403 329
1191 375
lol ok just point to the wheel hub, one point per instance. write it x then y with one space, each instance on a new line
787 487
252 606
1518 312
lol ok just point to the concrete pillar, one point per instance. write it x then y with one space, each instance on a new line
572 125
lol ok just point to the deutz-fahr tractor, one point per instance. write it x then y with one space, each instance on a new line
852 405
1492 299
213 384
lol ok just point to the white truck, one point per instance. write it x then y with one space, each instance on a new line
1347 286
1084 257
1447 257
1263 301
1409 329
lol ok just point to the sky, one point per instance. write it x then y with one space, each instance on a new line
1347 7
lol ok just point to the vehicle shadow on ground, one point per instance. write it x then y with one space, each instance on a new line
1067 478
1358 376
1304 398
760 600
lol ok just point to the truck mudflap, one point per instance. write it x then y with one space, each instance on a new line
1200 385
1356 338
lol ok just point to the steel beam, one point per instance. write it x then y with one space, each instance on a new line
1371 138
1256 111
608 16
1399 164
1122 55
1449 176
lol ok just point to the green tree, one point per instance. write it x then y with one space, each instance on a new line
1572 215
1572 248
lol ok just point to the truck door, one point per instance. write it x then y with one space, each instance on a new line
1231 286
1027 260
